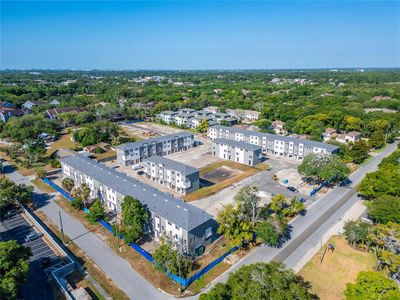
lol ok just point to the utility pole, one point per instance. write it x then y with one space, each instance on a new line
61 226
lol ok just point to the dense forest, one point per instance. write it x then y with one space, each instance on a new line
308 101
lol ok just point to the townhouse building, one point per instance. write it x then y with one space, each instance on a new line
133 153
250 115
174 175
190 227
53 113
191 118
289 147
239 152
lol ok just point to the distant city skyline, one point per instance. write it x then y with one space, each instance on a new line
199 35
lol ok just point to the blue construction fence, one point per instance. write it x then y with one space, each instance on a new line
316 190
182 281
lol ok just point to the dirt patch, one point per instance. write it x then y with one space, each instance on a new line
220 174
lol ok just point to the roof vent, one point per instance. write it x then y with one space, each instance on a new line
185 209
144 190
166 200
154 195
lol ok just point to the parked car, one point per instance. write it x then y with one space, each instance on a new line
137 167
140 173
45 261
33 236
292 189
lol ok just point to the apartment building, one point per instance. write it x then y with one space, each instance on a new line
174 175
191 118
250 115
240 152
190 227
270 143
133 153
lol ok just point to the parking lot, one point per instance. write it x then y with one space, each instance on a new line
37 286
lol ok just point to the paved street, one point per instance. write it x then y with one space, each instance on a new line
321 216
36 287
306 232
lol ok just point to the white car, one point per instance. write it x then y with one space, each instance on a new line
137 167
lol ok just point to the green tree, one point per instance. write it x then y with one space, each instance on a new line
170 259
372 285
377 139
323 167
96 211
384 209
78 203
357 232
14 268
68 184
203 126
248 202
359 151
134 216
262 281
385 181
352 123
40 172
278 203
11 192
267 233
236 229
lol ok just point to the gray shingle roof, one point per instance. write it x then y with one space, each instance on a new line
173 165
287 139
242 145
173 209
158 139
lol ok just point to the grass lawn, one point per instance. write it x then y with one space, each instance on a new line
108 154
63 142
246 171
329 278
45 188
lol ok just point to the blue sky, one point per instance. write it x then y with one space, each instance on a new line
199 35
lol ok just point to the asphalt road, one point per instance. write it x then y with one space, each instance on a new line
37 286
306 232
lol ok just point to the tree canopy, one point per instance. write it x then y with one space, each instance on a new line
14 268
261 281
134 216
372 285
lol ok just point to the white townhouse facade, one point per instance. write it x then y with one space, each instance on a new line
174 175
237 151
250 115
289 147
191 118
133 153
190 227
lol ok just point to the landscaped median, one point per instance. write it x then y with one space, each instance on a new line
238 172
144 263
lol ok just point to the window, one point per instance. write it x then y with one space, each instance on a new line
169 223
176 227
208 232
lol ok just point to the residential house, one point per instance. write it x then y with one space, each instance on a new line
212 109
53 113
190 227
278 127
5 104
350 137
174 175
133 153
6 113
329 133
92 149
54 102
272 144
237 151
